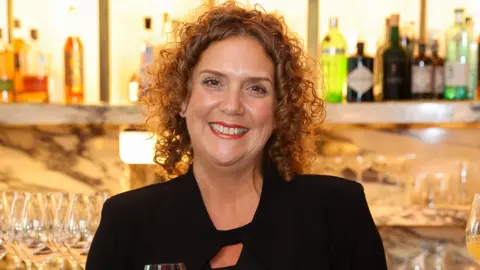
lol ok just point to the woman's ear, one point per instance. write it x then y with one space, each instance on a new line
183 109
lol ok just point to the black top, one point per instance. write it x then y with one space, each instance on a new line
312 222
232 237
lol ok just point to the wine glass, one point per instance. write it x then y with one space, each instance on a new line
34 239
59 203
168 266
14 205
472 231
82 223
3 228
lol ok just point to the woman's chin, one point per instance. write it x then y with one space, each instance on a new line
226 160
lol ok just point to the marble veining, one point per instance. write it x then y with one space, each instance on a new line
366 113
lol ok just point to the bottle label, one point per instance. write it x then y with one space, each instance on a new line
395 71
456 74
6 85
16 61
422 79
333 51
439 74
74 72
360 79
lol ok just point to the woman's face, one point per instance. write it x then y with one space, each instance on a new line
230 114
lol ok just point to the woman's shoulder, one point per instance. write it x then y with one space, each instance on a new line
326 185
139 202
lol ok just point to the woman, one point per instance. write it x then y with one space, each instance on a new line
235 106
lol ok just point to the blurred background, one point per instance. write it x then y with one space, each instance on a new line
72 132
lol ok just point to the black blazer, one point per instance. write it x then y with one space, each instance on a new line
312 222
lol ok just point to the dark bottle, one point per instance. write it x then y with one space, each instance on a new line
422 75
438 72
395 67
360 76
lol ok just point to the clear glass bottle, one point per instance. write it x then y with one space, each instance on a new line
473 60
6 71
334 63
35 80
146 56
457 59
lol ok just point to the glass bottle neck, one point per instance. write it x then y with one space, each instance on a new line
459 18
395 35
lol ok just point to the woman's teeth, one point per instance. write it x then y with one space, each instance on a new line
228 131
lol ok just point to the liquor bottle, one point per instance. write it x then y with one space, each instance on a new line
378 63
395 66
408 38
166 30
334 63
35 79
360 76
19 49
133 88
422 75
409 43
478 69
438 72
6 71
457 60
472 61
73 63
146 56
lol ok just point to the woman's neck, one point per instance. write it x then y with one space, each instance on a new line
230 194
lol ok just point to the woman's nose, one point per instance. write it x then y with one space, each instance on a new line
232 102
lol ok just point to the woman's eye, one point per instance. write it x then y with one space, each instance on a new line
211 82
258 90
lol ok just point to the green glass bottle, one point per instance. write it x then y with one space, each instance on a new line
396 66
457 59
334 63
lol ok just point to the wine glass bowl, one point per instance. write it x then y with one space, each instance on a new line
472 231
168 266
34 239
81 224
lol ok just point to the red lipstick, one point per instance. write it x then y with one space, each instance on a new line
227 136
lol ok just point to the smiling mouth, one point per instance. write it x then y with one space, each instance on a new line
228 130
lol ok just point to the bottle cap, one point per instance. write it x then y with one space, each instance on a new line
34 34
394 19
459 10
166 17
148 22
360 47
333 22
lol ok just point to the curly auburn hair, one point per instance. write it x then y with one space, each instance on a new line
297 102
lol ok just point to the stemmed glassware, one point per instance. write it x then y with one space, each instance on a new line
14 209
34 240
82 222
170 266
60 203
472 231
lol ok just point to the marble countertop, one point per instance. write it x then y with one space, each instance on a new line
358 113
408 216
